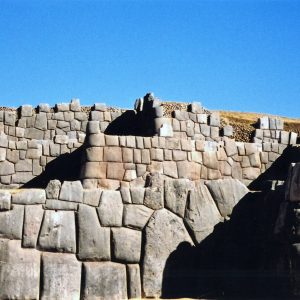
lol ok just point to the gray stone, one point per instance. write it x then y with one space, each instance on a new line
226 193
61 276
11 223
263 122
251 173
10 118
61 139
21 177
127 245
34 133
75 105
94 240
154 197
181 115
41 121
104 280
5 200
62 106
92 197
137 195
100 106
163 234
176 192
110 209
112 154
55 204
24 165
293 138
93 127
279 124
210 160
230 148
136 216
96 140
214 119
170 169
26 111
284 137
201 213
6 168
58 232
32 224
166 130
19 271
134 281
29 196
228 130
2 154
53 189
71 191
125 193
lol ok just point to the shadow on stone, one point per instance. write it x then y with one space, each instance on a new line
65 167
132 123
241 259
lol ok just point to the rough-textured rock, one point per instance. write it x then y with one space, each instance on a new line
61 276
6 168
226 193
154 197
176 192
137 195
58 232
53 189
5 200
92 197
19 271
60 205
201 212
30 196
136 216
127 245
94 240
104 280
110 209
11 223
71 191
134 281
164 232
32 224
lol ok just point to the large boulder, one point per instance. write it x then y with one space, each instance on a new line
201 212
226 193
164 232
19 271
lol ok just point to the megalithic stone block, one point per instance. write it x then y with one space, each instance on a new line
292 192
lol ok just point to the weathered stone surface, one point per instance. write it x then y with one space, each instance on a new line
94 240
104 280
137 195
127 244
214 119
30 196
226 193
5 200
61 276
94 154
11 223
164 232
201 212
19 271
136 216
58 232
170 169
134 281
96 140
71 191
92 197
110 209
55 204
112 154
264 122
210 160
6 168
166 130
26 111
251 173
53 189
32 224
115 171
176 192
154 197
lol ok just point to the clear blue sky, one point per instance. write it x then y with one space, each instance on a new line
232 55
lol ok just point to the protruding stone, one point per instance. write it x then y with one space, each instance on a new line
71 191
58 232
5 200
26 111
264 122
94 240
127 245
32 224
53 189
176 192
201 212
104 280
19 271
154 197
110 209
226 193
166 130
164 232
136 216
11 223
